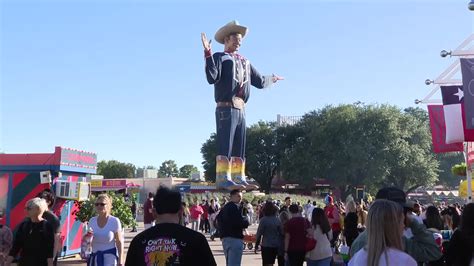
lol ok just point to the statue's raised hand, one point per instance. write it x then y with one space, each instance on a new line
205 43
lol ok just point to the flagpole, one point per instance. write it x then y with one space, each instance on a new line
468 174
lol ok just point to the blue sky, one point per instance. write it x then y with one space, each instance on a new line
125 79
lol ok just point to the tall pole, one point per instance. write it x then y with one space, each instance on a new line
468 173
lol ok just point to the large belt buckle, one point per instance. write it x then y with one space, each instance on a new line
238 103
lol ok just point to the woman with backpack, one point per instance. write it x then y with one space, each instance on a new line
34 240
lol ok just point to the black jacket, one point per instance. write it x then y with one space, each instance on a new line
459 250
231 222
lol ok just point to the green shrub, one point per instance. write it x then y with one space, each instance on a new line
459 169
120 209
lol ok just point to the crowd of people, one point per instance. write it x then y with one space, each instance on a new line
390 230
387 231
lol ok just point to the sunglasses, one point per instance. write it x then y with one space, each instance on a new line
100 204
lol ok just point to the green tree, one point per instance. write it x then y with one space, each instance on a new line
209 153
415 164
263 156
168 169
446 161
116 169
349 145
363 145
186 170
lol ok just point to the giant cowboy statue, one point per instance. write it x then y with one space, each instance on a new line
232 75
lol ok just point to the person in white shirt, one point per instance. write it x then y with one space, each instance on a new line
107 241
321 255
385 225
306 208
251 212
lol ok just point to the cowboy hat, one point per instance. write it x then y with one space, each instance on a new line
227 29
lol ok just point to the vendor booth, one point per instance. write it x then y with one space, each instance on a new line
24 176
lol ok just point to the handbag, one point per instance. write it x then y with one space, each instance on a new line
343 248
310 242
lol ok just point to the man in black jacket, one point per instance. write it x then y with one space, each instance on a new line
232 223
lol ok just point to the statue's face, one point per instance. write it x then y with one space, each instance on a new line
232 42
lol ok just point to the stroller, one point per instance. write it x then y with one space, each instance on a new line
249 241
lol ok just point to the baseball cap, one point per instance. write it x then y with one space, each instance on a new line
393 194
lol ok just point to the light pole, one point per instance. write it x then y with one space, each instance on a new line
471 5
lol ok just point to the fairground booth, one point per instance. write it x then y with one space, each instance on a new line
24 176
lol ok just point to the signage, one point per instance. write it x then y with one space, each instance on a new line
105 183
76 158
96 183
97 177
114 183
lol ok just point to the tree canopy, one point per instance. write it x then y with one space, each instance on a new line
348 145
168 169
187 170
115 169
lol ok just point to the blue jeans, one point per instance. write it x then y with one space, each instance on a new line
233 249
230 125
323 262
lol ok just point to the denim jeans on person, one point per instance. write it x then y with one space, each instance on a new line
230 125
195 224
233 249
323 262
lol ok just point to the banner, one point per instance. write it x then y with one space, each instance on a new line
438 131
454 118
467 69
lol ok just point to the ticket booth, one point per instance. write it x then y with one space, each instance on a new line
24 176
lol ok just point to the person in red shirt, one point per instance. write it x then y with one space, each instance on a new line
296 230
148 218
205 217
332 212
195 212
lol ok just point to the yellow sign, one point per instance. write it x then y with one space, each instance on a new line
96 183
463 188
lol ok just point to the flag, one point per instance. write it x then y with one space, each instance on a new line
438 131
453 102
467 69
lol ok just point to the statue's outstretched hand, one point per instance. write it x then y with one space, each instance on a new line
205 43
276 78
